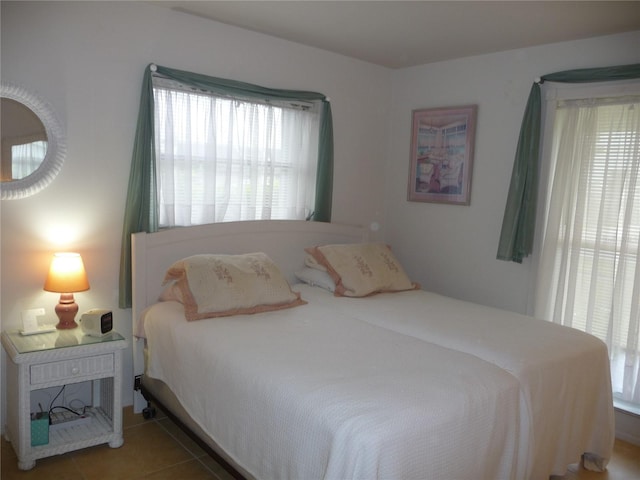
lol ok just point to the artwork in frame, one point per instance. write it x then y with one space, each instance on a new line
442 143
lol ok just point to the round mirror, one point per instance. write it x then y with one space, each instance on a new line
33 146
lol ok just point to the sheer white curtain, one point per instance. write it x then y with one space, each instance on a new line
26 158
222 159
589 271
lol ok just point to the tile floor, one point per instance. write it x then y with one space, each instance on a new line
157 450
624 465
153 450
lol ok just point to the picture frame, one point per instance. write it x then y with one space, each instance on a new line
442 147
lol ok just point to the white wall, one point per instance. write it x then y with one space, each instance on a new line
451 249
87 60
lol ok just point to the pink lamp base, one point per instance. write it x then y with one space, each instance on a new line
66 311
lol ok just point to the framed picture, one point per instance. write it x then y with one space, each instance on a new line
442 142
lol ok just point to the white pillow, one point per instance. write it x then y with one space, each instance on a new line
316 278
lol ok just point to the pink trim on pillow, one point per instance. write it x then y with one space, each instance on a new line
322 261
191 313
171 293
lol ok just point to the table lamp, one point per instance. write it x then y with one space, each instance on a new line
66 276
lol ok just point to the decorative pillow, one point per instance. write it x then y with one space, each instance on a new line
362 269
317 278
223 285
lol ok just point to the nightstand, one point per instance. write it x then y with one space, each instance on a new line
62 358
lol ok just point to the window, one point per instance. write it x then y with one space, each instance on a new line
222 159
589 270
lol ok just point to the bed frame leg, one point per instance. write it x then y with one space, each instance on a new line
149 411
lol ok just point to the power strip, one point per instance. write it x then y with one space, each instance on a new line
67 419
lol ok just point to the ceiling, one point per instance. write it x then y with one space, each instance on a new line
399 34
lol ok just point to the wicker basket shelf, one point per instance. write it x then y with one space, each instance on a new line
98 431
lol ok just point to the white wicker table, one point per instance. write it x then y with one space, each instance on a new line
61 358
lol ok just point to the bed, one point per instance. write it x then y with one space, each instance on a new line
406 384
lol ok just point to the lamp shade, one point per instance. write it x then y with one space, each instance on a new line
66 274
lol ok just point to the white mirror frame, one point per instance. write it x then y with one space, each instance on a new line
56 148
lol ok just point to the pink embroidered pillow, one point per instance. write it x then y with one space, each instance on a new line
222 285
362 269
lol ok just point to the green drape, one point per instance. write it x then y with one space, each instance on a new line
140 214
141 210
518 224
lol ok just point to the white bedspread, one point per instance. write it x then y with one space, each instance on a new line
301 394
564 373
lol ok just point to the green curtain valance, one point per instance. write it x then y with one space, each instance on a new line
141 209
518 224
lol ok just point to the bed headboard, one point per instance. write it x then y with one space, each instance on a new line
283 240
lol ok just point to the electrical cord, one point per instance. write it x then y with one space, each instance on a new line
52 408
65 408
56 397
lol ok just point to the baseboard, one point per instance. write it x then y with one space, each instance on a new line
627 426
